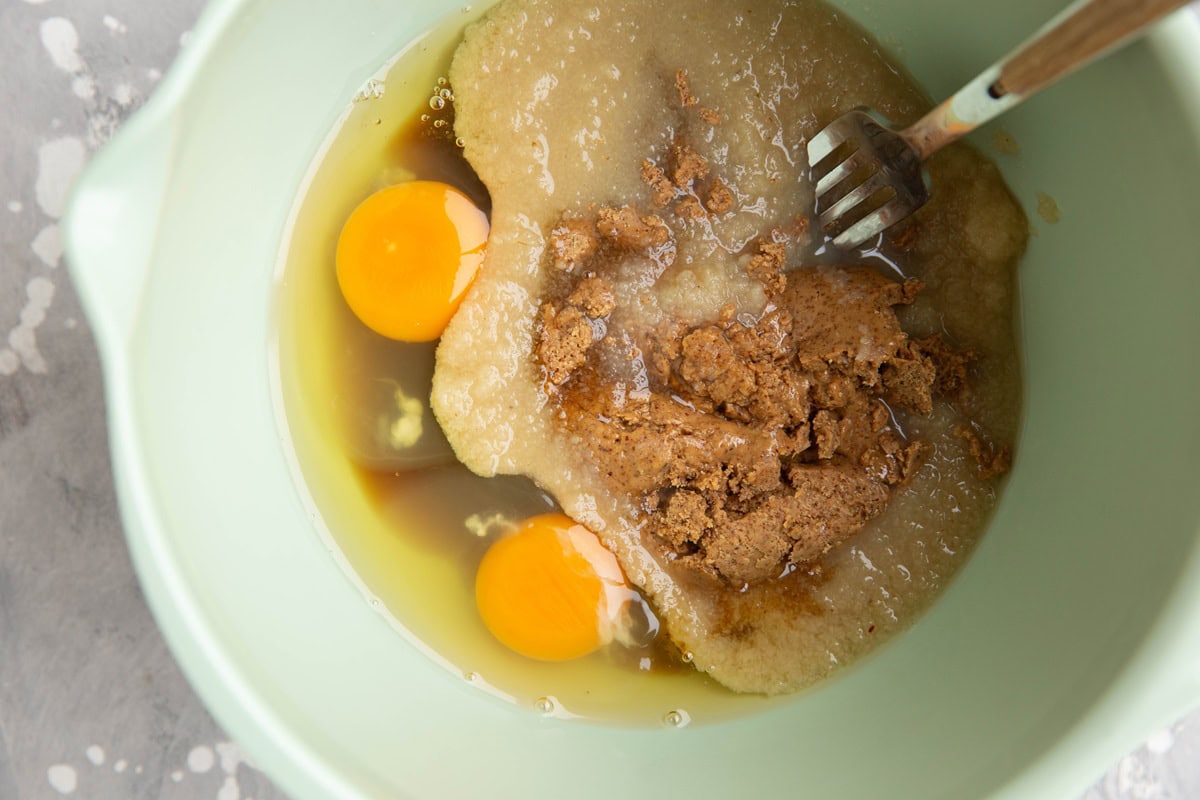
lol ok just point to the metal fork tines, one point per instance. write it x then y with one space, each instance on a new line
866 178
869 177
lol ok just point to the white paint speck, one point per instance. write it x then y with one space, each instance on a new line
153 74
1161 742
95 754
229 789
23 338
102 124
201 759
84 87
123 94
1132 778
16 206
61 41
47 245
230 755
10 362
35 2
184 38
138 769
70 323
62 778
121 765
59 162
177 776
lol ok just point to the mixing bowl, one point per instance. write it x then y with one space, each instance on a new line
1073 629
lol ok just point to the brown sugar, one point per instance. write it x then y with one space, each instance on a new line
566 336
990 460
757 446
662 191
720 198
909 380
767 264
951 366
572 243
566 332
687 166
689 208
686 98
628 229
709 367
904 236
594 296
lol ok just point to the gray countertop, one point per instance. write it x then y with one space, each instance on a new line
91 702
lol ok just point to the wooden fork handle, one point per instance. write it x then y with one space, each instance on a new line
1083 32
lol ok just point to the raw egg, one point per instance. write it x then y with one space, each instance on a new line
550 590
406 257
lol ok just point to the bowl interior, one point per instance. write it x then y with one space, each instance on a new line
1090 540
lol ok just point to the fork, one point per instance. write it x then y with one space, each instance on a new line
869 177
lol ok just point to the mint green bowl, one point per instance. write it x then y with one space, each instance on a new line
1073 629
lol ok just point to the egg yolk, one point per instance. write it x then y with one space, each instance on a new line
406 257
550 590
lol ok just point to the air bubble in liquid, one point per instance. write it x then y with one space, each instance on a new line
544 705
437 102
677 718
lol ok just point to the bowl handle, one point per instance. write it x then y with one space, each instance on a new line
111 223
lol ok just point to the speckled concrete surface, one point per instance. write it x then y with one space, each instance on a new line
91 702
